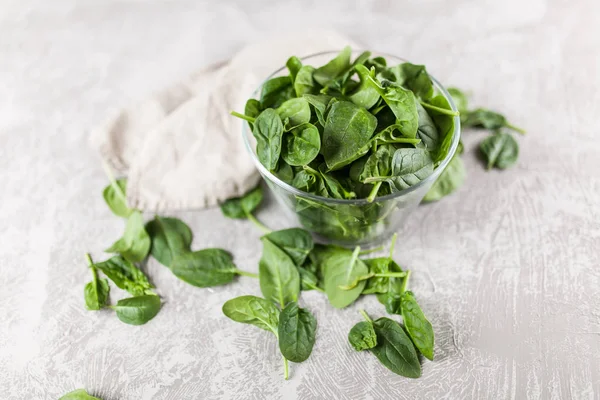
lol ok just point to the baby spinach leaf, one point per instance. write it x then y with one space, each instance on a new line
362 336
310 181
170 237
401 101
334 68
377 284
341 269
293 65
297 243
241 207
449 180
125 275
417 325
308 279
205 268
319 103
254 311
500 149
115 196
284 172
297 111
301 145
488 119
365 95
135 243
438 106
95 292
253 110
415 78
396 286
460 100
275 91
79 394
279 279
427 131
297 330
137 310
395 350
268 131
348 128
304 83
334 187
409 167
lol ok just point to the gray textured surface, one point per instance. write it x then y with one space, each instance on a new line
507 268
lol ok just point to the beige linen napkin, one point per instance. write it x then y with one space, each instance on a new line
180 148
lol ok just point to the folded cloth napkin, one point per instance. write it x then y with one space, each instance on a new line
180 148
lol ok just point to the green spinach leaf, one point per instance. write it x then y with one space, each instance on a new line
365 95
297 111
293 65
342 268
362 336
301 145
170 237
394 349
460 100
297 243
135 243
297 331
115 196
125 275
501 150
334 68
95 292
205 268
241 207
278 276
415 78
268 131
348 128
417 325
254 311
275 91
304 83
488 119
137 310
449 180
320 103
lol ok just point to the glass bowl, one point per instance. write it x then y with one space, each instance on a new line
354 222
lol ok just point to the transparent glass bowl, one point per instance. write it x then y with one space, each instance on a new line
349 222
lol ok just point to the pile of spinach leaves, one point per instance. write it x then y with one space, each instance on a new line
362 129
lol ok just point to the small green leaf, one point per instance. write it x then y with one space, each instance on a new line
342 268
268 131
319 103
460 100
301 145
293 65
138 310
275 91
365 95
135 242
240 207
415 78
395 350
205 268
334 68
417 325
296 110
125 275
501 150
449 180
96 294
170 237
79 394
348 129
253 310
304 83
278 276
297 243
297 330
115 196
362 336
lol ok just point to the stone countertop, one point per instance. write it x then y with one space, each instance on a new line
507 269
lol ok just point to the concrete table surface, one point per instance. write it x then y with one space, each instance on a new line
507 269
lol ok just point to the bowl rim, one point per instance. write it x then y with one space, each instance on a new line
297 192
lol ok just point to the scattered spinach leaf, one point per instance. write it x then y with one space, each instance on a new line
205 268
297 330
254 311
417 325
342 268
95 292
137 310
362 336
501 150
278 276
125 275
394 349
135 242
297 243
170 237
115 196
449 180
